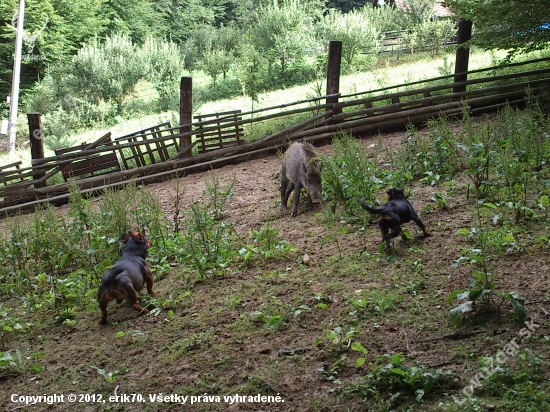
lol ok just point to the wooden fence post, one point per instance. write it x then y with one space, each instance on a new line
37 144
462 54
333 73
186 109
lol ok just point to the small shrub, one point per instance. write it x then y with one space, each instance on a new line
348 175
396 378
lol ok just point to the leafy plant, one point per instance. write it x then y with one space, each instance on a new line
110 377
266 245
348 175
208 244
219 196
358 347
481 295
268 317
18 364
397 378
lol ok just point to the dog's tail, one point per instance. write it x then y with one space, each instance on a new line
113 273
372 210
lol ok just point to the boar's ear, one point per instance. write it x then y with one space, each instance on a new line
138 237
124 238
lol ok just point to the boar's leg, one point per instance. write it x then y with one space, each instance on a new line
297 190
284 191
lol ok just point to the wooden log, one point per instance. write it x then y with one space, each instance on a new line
15 164
186 109
333 73
496 106
445 86
306 124
75 156
435 99
488 69
284 105
377 119
37 144
462 54
452 96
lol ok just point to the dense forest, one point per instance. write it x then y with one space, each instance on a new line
68 25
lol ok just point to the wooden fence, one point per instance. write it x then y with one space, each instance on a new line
156 153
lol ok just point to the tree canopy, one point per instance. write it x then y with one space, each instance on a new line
517 25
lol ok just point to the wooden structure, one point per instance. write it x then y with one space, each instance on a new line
150 149
219 130
88 166
156 153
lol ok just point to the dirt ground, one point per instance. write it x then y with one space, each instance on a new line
212 345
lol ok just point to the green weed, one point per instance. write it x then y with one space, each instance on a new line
348 175
481 295
396 378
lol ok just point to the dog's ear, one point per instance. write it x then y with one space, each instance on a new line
138 237
395 194
124 238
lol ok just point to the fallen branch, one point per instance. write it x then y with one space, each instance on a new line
283 352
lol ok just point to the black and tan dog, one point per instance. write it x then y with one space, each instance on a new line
393 214
128 276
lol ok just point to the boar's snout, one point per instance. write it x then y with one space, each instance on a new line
315 193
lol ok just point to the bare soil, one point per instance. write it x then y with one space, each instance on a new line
215 345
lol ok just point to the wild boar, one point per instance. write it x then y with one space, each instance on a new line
300 169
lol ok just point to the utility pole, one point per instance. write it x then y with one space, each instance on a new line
14 100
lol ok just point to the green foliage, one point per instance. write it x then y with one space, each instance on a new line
18 364
430 157
107 71
217 61
506 159
514 26
430 35
481 295
209 245
218 196
358 347
110 377
515 381
268 317
266 245
396 378
348 175
420 11
48 21
357 30
283 32
163 65
136 19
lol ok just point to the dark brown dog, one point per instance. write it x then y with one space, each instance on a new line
128 276
393 214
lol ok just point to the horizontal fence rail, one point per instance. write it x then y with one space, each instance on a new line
156 153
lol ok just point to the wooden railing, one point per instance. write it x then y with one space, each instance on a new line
155 153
